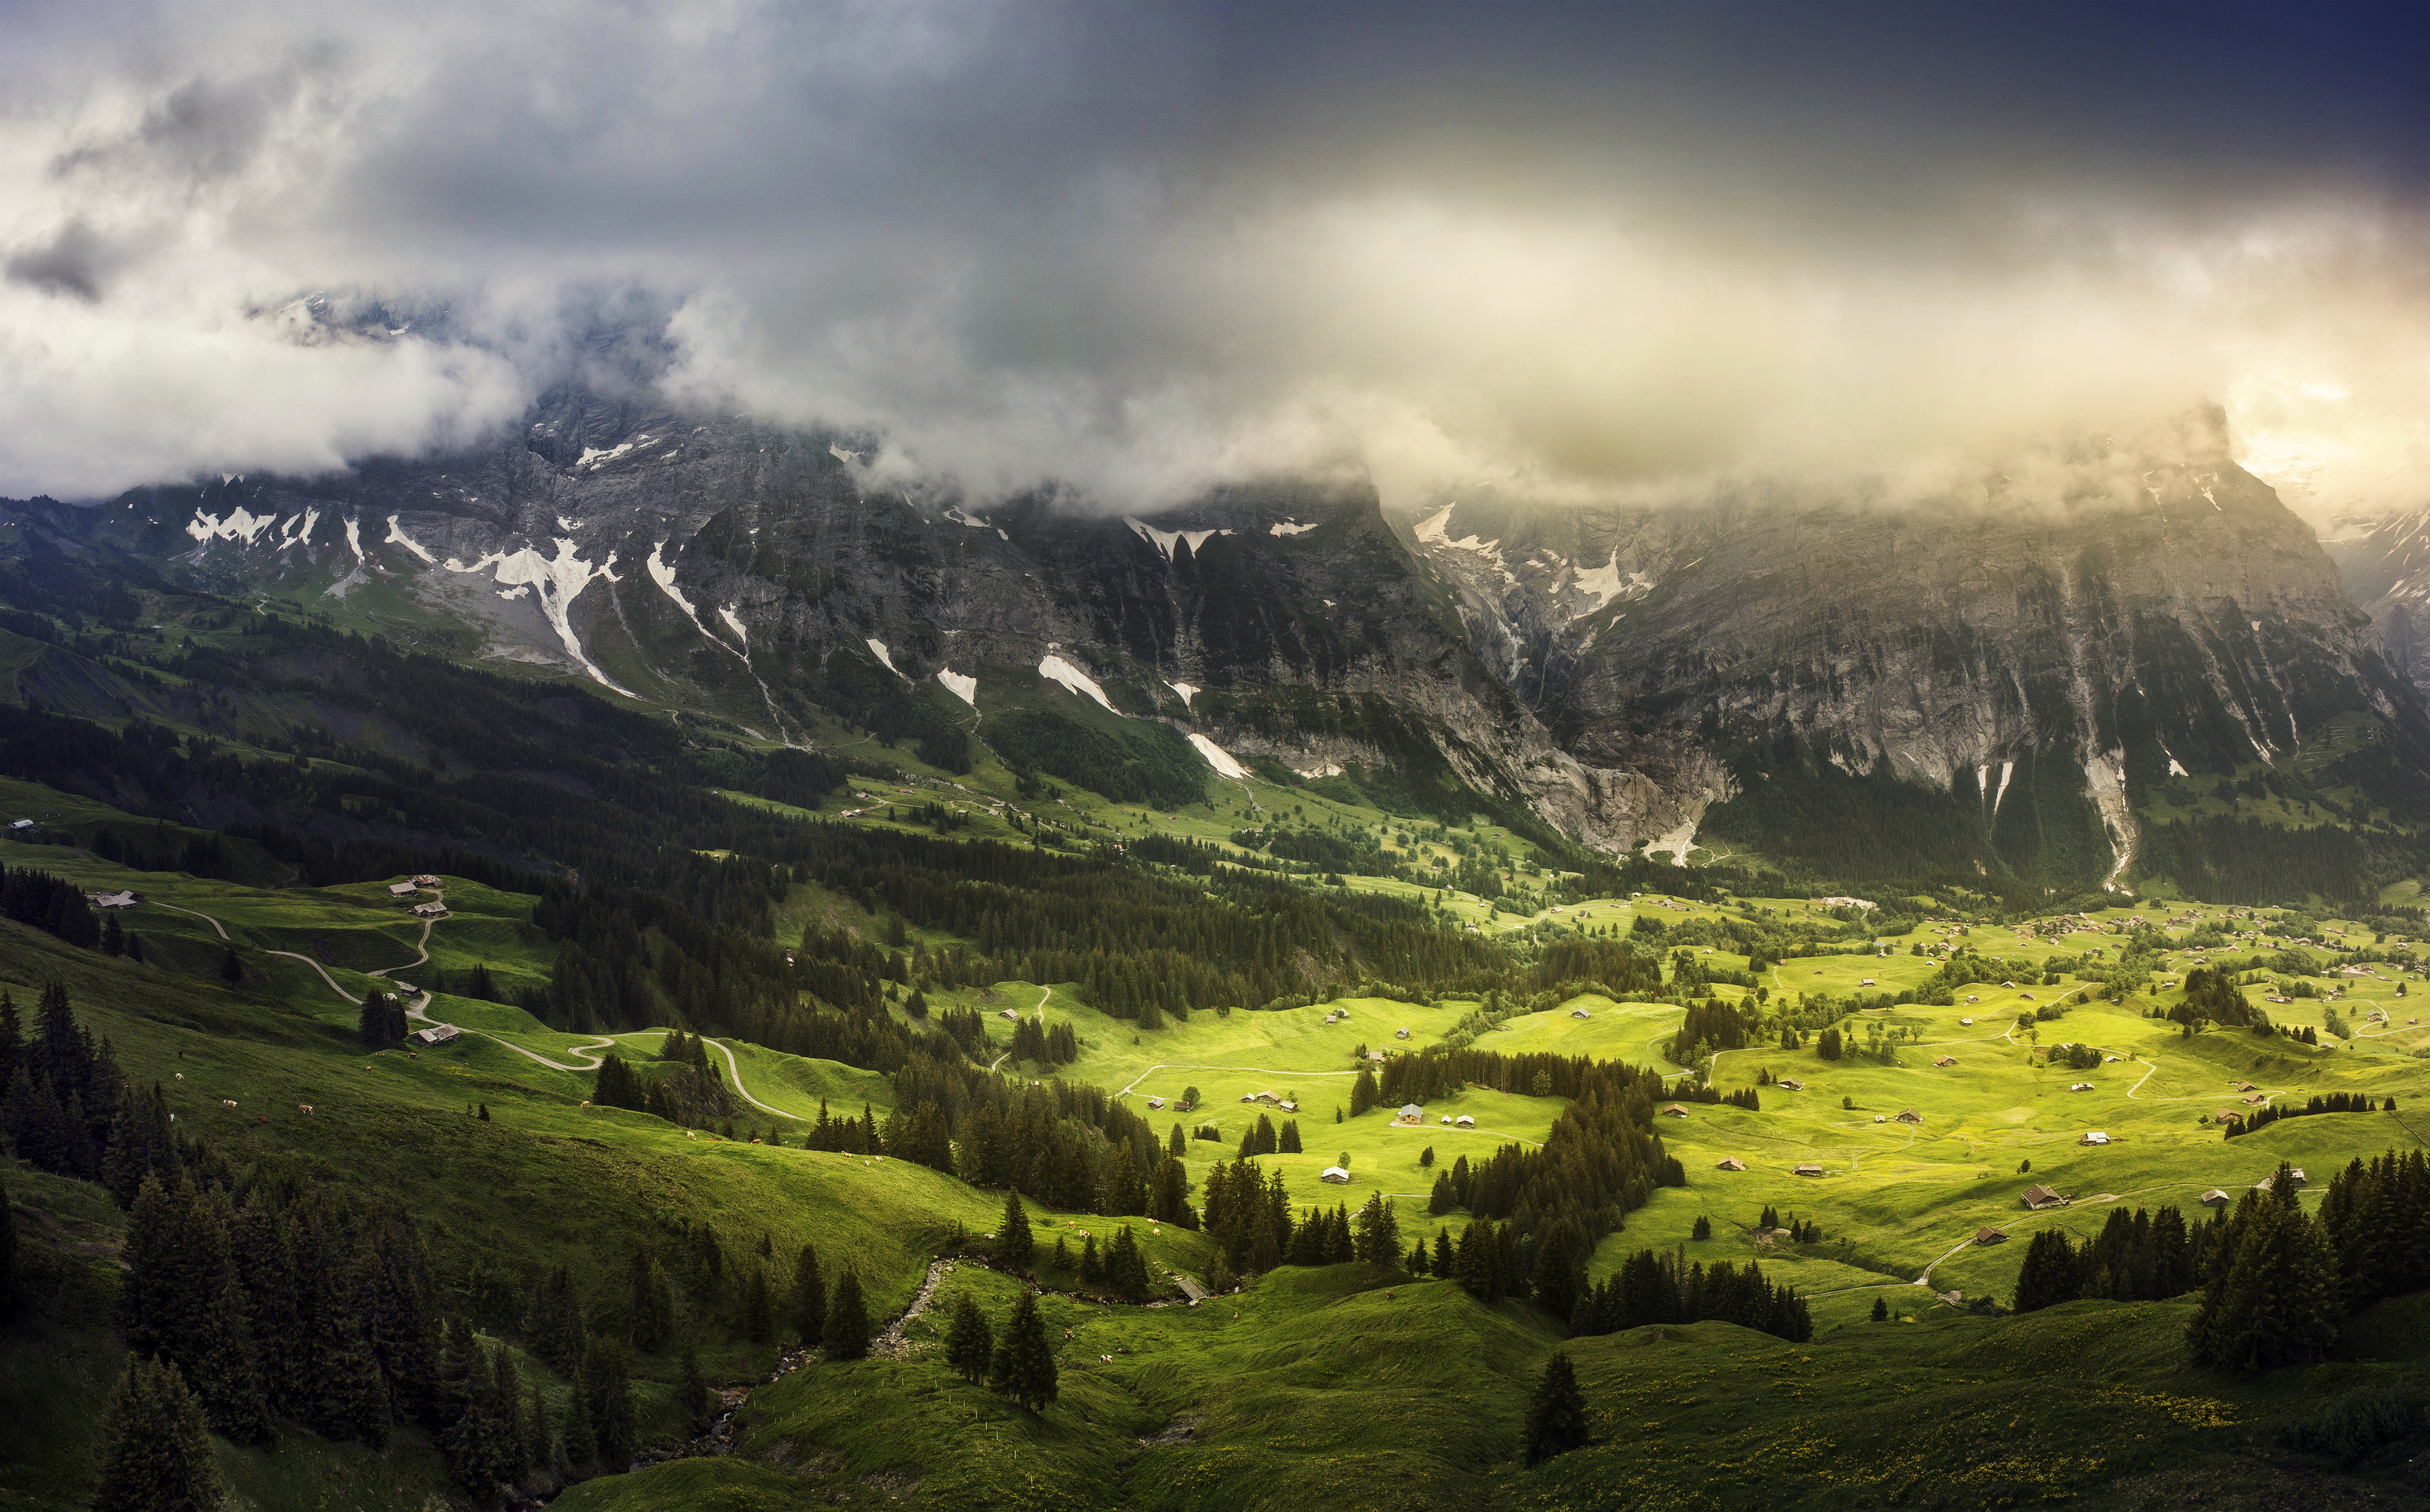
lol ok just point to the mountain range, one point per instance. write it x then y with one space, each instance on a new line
2034 688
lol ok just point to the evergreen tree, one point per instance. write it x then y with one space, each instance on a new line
649 1303
759 1319
231 966
1416 1263
1881 1310
691 1395
156 1445
553 1324
846 1331
1556 1413
184 1301
970 1349
2272 1300
1092 1266
1289 1143
1443 1267
140 1145
1560 1273
610 1397
809 1306
1024 1366
2051 1273
1704 1228
1125 1268
9 1290
1379 1233
1014 1246
381 1024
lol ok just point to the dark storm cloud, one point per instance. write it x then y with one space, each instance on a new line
1136 248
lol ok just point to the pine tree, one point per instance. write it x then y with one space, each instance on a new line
156 1445
1556 1413
610 1397
691 1395
1125 1268
970 1349
810 1308
846 1331
231 966
2272 1297
1881 1310
1289 1141
1560 1275
1092 1266
1416 1263
2051 1273
1024 1366
758 1321
1379 1231
649 1305
9 1290
184 1301
1704 1228
1014 1245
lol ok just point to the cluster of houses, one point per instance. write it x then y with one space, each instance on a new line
1273 1099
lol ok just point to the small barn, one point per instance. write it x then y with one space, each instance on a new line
2039 1197
1411 1113
2226 1114
1287 1105
1789 1084
438 1034
1674 1111
1008 1013
1945 1060
1465 1121
431 910
1729 1163
111 900
1155 1103
2246 1087
1967 1020
1334 1175
425 880
1375 1055
1400 1034
2080 1087
1580 1013
1907 1114
1805 1171
398 890
2214 1198
1990 1237
2093 1136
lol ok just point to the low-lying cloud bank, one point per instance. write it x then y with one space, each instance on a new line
1138 251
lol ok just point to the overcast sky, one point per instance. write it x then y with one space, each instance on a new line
1579 250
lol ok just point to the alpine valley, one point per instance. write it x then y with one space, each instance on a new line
641 965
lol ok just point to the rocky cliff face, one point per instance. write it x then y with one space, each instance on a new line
2087 649
1630 675
761 575
2386 573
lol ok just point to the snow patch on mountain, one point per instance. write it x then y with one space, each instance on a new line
1055 670
877 648
1187 691
397 537
296 530
726 612
556 581
1163 539
1288 527
961 685
1322 769
355 538
1219 759
975 521
242 525
663 573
